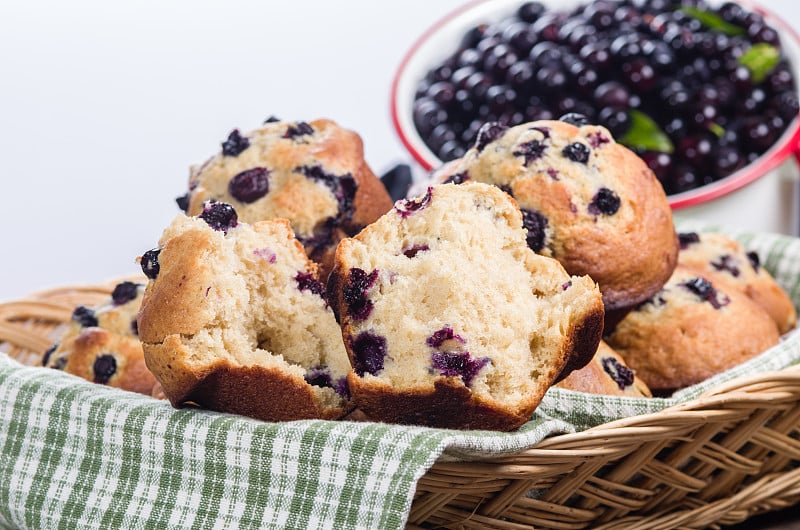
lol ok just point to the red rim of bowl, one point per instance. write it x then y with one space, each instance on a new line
787 145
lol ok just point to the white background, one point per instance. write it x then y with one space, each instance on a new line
104 105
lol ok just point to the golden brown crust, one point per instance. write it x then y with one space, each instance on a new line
309 204
449 405
681 340
594 379
130 373
726 261
583 340
179 290
259 392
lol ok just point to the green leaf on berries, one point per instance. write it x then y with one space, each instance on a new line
760 59
717 129
714 21
644 133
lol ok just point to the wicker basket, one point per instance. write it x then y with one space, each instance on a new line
714 461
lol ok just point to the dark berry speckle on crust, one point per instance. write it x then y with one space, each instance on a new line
307 282
577 152
84 316
104 368
688 238
220 216
406 207
272 119
605 202
488 133
124 292
249 185
621 374
706 291
727 263
755 261
369 353
596 139
149 263
458 364
536 224
301 128
234 144
443 335
47 353
359 282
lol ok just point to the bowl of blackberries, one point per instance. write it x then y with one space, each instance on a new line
705 92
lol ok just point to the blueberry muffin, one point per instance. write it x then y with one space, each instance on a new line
450 320
234 319
730 264
586 201
101 344
607 374
313 174
691 329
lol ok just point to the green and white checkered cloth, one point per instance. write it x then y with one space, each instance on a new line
78 455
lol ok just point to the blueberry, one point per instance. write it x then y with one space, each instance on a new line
566 285
105 366
575 119
369 352
47 353
687 238
124 292
577 152
235 144
621 374
755 261
727 263
249 185
85 316
532 151
536 224
452 364
457 178
318 376
149 263
307 282
488 133
406 207
272 119
441 336
355 292
412 251
321 376
183 202
604 202
703 289
301 128
219 215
